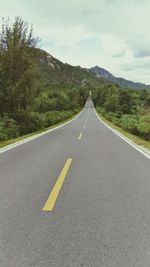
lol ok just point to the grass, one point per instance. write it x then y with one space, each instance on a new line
14 140
136 139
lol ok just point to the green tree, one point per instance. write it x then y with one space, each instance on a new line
111 104
16 77
125 101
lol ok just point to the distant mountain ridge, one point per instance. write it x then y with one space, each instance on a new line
103 73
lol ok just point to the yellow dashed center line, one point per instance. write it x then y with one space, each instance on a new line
49 205
80 136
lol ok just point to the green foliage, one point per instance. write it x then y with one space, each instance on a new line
111 104
44 102
127 108
53 117
125 101
144 126
16 77
30 122
129 123
8 128
34 92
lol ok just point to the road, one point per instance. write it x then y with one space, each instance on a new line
99 214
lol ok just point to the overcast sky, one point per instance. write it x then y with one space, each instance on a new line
114 34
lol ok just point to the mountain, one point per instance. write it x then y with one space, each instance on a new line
102 73
54 73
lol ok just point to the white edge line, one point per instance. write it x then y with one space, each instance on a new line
28 139
131 143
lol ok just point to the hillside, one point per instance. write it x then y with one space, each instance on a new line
102 73
53 72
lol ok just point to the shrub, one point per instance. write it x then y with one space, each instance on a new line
144 126
111 104
3 135
8 128
101 111
129 123
53 117
30 122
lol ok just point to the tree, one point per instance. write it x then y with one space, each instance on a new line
111 104
16 77
125 101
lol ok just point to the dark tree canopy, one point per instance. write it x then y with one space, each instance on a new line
17 35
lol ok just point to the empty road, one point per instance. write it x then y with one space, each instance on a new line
77 196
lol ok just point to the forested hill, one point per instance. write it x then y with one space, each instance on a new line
53 72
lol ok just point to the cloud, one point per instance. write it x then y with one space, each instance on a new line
142 53
111 33
119 55
134 65
135 2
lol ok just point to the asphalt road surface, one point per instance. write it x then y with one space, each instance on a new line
98 213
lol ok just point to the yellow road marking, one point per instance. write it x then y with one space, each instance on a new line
80 136
49 205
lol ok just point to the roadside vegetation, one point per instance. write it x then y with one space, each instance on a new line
126 108
29 99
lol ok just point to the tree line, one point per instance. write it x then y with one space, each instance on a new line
127 108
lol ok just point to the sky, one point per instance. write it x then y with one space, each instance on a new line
113 34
